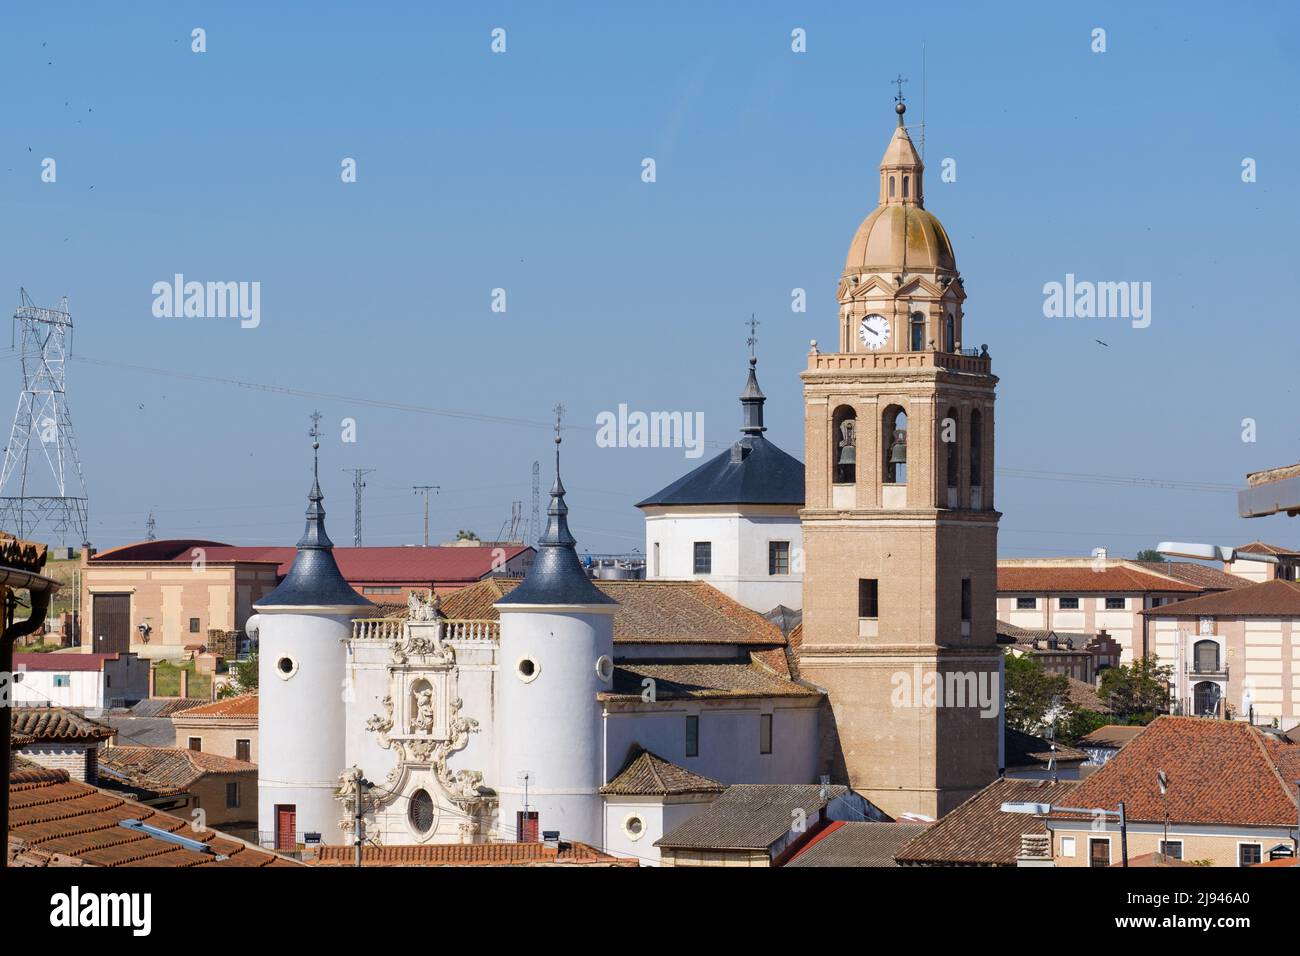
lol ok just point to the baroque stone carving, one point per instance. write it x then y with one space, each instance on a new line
424 609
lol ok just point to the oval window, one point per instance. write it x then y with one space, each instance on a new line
527 669
605 668
634 826
286 667
421 811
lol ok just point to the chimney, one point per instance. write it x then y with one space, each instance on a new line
550 843
1035 850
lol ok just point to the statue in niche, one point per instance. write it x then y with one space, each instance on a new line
423 718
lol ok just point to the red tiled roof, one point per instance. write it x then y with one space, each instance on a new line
245 705
392 565
1045 579
53 814
472 854
1260 547
1274 598
1221 772
165 769
56 723
693 681
52 661
647 774
979 833
668 612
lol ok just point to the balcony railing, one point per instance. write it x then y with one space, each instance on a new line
968 360
392 629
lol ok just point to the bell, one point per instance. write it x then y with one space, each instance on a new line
848 455
898 450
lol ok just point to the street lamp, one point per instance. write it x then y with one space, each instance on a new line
1046 809
1210 552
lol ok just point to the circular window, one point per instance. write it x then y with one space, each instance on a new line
421 811
605 668
286 667
527 669
634 826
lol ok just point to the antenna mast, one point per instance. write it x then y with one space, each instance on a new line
535 522
357 485
42 428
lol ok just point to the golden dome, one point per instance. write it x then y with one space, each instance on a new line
900 236
897 238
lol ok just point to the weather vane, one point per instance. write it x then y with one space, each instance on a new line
753 324
314 434
559 417
899 81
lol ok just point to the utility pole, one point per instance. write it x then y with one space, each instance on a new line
426 489
357 485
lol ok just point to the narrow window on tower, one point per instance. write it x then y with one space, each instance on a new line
965 599
950 334
844 441
948 432
918 331
778 557
891 187
765 733
976 448
703 557
905 181
655 570
894 444
868 597
692 736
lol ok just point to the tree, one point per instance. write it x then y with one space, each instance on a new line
1079 723
1150 554
466 536
1136 692
245 678
1032 693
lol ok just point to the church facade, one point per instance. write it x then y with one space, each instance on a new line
610 711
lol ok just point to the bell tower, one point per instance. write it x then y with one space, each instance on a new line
900 532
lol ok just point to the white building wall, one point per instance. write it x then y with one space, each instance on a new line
740 538
36 689
728 738
302 750
549 727
659 815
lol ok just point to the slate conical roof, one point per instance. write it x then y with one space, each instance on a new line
752 472
556 576
314 580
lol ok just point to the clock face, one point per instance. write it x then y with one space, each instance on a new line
874 332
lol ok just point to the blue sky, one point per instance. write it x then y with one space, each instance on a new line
522 171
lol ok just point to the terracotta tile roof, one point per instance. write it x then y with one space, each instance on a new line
978 833
1026 636
58 661
1221 772
698 680
1260 547
1153 859
23 854
1051 579
1267 599
1084 695
748 816
1200 575
1026 750
400 565
647 774
472 854
51 813
857 843
1111 735
674 612
165 769
245 705
57 723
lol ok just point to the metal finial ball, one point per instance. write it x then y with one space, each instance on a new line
900 108
315 446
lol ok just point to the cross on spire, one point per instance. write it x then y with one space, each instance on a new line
753 324
314 434
899 81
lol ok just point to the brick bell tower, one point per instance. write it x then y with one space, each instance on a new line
900 533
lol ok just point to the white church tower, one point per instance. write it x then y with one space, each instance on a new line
556 655
301 627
